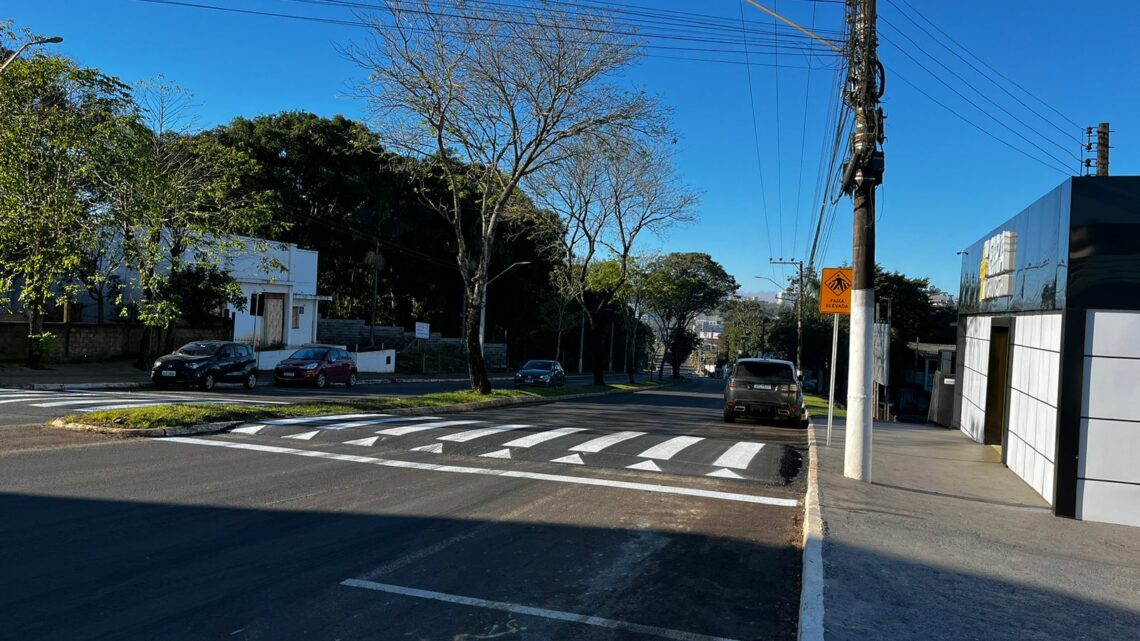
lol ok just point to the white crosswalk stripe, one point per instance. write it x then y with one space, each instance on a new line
573 459
602 442
498 454
303 436
365 423
248 429
739 455
542 437
366 442
434 448
668 449
648 466
725 474
410 429
318 419
20 399
471 435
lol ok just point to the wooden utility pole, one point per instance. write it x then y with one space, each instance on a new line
863 173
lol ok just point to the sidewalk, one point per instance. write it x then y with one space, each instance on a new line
947 543
123 375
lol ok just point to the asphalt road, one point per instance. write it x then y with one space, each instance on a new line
261 534
25 407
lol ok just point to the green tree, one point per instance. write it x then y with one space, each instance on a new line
57 121
680 286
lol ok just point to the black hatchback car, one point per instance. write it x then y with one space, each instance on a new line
205 364
544 373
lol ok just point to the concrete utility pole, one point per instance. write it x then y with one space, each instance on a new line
863 173
1102 149
799 312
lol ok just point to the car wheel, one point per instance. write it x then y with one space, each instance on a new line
208 381
322 380
729 418
351 382
251 380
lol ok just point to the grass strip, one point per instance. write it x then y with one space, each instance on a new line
817 405
158 416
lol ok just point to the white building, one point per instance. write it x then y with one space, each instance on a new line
279 281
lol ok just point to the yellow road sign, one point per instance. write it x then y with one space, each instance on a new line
835 290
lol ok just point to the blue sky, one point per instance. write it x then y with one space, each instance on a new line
947 183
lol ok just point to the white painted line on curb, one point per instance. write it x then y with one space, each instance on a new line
668 449
811 587
515 474
602 442
471 435
557 615
542 437
420 427
739 455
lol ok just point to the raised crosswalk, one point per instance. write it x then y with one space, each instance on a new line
74 400
642 451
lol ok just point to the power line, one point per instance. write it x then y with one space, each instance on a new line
803 144
756 142
779 155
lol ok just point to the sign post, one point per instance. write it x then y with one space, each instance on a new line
834 299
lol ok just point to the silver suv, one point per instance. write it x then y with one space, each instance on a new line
764 388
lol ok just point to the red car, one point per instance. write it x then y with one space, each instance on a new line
317 365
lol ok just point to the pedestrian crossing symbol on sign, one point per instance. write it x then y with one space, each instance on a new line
835 294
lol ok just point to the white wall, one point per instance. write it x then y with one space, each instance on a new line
1030 448
1108 472
378 362
975 365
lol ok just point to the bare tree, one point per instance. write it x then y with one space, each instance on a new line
482 97
608 192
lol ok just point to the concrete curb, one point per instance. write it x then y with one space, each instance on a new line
811 589
210 428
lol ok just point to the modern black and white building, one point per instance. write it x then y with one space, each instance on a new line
1049 347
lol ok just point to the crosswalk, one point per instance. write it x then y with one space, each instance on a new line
94 401
486 438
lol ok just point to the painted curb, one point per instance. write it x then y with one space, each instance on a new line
811 589
210 428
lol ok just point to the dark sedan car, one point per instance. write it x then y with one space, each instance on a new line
317 365
764 388
205 364
544 373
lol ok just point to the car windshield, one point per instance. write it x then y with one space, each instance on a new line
764 370
198 349
539 365
310 354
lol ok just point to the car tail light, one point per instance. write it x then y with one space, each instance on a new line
732 385
788 388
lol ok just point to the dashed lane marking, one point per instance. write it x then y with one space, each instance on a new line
515 608
518 474
668 449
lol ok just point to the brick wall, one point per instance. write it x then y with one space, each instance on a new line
81 342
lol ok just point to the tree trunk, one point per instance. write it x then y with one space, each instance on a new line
35 345
597 353
476 366
558 342
675 362
99 307
631 364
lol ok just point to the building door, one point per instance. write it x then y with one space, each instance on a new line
997 386
273 329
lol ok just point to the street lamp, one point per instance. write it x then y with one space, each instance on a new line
42 41
483 308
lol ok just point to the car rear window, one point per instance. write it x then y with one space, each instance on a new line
310 354
765 370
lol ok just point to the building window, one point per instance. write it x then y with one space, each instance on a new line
297 311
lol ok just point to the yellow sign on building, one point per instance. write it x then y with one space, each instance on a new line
835 290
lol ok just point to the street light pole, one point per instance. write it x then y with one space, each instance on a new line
799 312
24 47
483 306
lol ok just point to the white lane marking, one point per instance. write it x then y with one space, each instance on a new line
498 454
317 419
364 423
739 455
304 436
482 471
434 448
21 399
725 473
408 429
248 429
542 437
471 435
366 442
667 449
557 615
602 442
573 459
648 466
